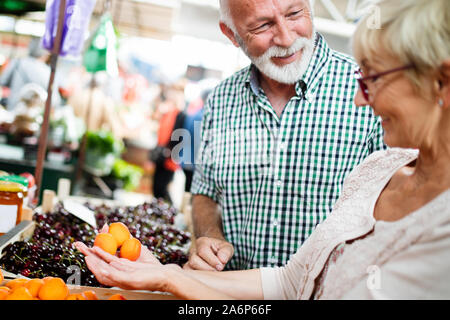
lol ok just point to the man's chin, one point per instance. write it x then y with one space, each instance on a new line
285 75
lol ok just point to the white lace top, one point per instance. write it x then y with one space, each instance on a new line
405 259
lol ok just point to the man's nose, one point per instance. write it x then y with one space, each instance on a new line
360 101
284 36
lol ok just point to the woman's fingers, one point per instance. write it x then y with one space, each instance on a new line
83 248
100 270
105 228
104 255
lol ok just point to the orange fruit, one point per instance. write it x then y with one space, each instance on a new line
34 285
131 249
1 276
106 242
53 289
19 293
19 282
117 296
4 292
120 232
90 295
75 296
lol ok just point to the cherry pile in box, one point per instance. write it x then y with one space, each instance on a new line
50 251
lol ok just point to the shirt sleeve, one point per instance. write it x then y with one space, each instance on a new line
283 283
203 179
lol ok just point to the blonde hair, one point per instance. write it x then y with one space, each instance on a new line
413 31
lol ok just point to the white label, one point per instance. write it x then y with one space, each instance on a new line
80 211
8 217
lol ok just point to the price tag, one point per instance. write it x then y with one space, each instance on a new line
80 211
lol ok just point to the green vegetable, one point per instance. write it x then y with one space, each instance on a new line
104 142
129 173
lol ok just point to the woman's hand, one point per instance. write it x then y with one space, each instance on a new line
146 274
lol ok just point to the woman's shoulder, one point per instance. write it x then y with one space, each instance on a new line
380 163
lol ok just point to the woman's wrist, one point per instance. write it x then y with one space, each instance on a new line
172 274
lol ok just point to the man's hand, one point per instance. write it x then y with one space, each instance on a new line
209 254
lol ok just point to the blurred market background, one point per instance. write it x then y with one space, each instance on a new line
169 54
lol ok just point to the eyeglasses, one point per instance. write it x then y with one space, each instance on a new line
362 80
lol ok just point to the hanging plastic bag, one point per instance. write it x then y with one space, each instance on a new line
76 21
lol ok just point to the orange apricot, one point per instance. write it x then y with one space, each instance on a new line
106 242
117 296
90 295
53 289
34 285
19 282
4 292
75 296
120 232
131 249
19 293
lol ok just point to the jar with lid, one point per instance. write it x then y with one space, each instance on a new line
11 202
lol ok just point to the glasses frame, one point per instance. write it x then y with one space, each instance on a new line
361 79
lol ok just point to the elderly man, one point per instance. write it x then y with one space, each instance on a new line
278 139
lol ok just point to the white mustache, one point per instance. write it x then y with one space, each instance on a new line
276 51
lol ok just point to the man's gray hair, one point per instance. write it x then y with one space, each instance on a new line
225 14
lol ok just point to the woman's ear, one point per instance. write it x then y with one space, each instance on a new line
444 84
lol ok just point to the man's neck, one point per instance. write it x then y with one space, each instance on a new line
278 93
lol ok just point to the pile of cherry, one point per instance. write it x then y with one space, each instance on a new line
50 251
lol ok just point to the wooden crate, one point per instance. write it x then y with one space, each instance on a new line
24 230
105 293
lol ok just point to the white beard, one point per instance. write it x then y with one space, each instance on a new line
290 73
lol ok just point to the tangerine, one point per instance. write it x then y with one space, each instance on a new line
120 232
34 285
15 283
75 296
53 289
117 296
19 293
106 242
90 295
131 249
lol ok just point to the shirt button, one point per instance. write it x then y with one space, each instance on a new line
283 146
279 183
275 222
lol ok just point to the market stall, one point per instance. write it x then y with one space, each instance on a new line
65 172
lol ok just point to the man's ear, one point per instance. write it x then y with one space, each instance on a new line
228 33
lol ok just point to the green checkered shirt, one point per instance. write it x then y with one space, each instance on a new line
275 178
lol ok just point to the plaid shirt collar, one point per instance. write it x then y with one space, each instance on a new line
311 78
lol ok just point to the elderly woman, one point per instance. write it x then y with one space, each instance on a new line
389 233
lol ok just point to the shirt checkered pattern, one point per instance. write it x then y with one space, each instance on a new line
275 178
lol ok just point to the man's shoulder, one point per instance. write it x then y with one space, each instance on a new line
342 58
231 85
